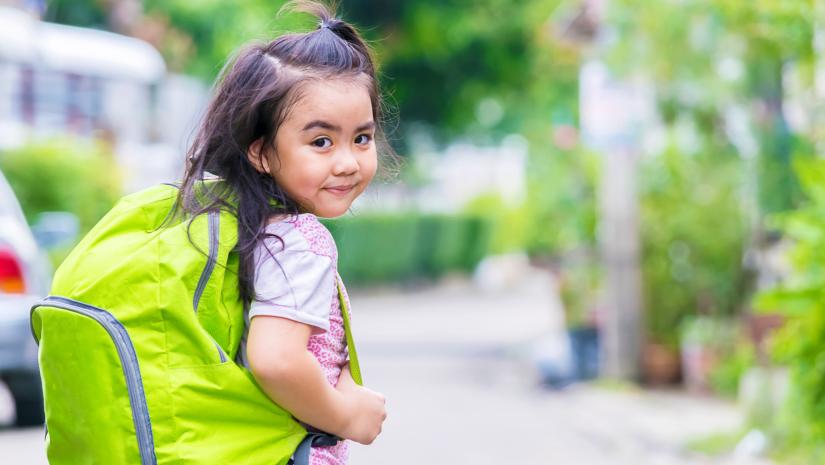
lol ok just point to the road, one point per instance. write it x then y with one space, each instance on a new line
456 365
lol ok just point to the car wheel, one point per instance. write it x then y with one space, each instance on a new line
28 398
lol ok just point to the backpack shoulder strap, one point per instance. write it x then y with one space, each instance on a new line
354 367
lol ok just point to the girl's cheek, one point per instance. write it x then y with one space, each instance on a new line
370 166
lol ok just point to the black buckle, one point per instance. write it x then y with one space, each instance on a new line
324 440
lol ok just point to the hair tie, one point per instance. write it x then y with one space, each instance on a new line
323 24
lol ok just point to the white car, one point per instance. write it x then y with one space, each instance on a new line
25 276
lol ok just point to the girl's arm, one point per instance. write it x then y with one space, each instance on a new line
293 378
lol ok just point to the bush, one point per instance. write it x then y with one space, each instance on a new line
449 240
693 233
63 175
560 221
508 226
402 247
376 248
801 298
718 354
727 375
478 241
561 214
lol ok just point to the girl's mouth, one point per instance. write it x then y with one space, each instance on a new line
340 190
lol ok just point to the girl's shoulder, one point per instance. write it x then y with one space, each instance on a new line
303 232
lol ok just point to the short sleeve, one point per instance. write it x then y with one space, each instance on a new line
294 284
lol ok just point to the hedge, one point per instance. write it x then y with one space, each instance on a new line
402 247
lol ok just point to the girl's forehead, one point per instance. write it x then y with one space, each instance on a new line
341 99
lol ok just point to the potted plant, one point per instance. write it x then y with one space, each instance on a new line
705 341
660 363
692 264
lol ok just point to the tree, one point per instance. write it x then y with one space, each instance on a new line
708 55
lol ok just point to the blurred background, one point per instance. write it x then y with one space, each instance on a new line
605 244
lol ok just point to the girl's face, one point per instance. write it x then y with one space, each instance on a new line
325 153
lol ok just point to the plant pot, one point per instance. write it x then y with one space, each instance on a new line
760 328
660 365
698 362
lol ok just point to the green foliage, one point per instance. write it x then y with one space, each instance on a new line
439 59
693 237
725 377
401 247
194 36
85 13
716 444
730 53
653 32
451 243
801 297
197 43
562 211
509 225
376 248
716 333
477 242
557 223
732 353
560 220
442 58
580 279
63 175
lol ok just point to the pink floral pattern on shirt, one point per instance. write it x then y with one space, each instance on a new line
329 347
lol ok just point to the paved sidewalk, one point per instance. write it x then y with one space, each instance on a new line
455 367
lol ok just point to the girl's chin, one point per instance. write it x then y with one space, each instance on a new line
328 206
331 211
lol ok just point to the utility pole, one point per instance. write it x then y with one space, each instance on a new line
620 248
613 114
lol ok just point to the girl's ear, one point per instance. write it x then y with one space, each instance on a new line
257 157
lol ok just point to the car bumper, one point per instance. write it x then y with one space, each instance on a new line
18 349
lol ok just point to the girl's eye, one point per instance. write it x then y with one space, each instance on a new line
364 139
322 142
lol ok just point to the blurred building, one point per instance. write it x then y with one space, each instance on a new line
464 172
447 181
61 80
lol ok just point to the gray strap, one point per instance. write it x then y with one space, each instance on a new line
301 455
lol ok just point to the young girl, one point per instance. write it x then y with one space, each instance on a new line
293 131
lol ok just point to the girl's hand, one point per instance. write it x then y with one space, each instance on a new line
367 409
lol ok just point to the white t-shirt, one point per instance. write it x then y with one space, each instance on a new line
295 274
292 280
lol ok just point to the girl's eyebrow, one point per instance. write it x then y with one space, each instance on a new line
365 126
331 127
322 125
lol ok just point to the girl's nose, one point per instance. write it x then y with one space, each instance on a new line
345 163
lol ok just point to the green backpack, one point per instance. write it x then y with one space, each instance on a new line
137 342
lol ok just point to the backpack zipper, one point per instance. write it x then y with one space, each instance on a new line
214 233
129 362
